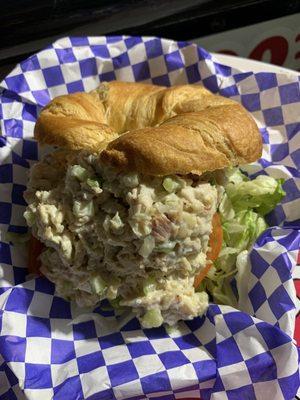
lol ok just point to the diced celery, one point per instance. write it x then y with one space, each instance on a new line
98 284
170 185
165 247
30 217
147 246
149 285
83 208
79 172
93 183
116 223
172 200
152 319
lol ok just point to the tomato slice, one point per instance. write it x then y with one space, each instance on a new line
215 244
215 239
35 249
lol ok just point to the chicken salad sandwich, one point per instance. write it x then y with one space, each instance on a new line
143 204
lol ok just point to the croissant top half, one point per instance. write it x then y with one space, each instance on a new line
153 129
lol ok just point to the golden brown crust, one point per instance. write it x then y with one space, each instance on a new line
73 133
74 122
187 143
183 129
130 105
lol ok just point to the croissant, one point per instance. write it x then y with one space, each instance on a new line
153 129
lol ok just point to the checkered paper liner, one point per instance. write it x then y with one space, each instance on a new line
49 348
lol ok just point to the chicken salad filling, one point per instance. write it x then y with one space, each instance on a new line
138 241
145 242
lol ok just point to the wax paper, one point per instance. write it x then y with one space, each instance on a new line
51 349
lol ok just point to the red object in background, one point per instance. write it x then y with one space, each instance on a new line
275 41
297 327
278 46
297 286
297 55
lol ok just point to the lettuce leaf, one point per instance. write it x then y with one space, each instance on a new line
242 209
261 194
243 229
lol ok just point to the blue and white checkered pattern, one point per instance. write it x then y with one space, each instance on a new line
53 350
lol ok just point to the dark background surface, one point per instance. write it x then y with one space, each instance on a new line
24 20
29 25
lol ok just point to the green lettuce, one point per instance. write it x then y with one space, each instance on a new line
242 209
243 229
261 194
